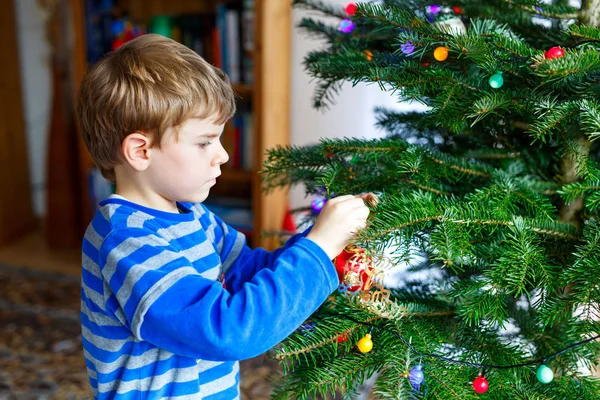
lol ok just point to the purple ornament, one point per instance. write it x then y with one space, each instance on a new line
317 204
433 9
407 48
346 25
416 377
308 328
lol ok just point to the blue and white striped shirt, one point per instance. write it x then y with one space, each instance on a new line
157 320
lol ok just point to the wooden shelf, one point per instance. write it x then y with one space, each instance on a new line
268 95
245 91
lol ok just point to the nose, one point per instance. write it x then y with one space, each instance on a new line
221 156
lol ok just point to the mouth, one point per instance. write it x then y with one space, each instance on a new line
214 180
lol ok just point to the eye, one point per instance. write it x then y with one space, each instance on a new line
204 145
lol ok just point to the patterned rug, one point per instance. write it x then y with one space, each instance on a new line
41 356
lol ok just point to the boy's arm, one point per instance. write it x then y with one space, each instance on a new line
240 263
167 303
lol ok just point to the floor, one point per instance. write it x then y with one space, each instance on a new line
30 253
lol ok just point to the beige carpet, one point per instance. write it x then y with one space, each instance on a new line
40 346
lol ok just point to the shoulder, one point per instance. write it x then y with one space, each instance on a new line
118 221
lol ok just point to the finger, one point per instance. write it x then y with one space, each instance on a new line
341 198
353 204
360 225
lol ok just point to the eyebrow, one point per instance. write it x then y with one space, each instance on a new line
209 135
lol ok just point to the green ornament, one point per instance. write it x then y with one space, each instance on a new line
496 80
545 374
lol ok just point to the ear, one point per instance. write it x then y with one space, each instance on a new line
136 150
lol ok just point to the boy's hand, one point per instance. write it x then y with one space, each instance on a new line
339 220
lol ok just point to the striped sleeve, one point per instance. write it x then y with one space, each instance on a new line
241 263
167 303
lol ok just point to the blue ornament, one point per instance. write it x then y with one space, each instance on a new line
346 25
496 81
317 204
308 328
416 377
544 374
407 48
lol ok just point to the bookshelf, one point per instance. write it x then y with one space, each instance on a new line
266 98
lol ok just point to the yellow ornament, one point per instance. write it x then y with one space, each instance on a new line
365 344
368 54
440 53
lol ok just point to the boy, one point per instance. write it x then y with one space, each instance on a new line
171 296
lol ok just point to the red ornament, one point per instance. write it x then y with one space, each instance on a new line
554 52
480 384
353 261
457 10
425 64
351 8
342 338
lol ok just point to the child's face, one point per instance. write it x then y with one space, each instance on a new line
187 164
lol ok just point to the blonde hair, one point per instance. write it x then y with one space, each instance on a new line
148 85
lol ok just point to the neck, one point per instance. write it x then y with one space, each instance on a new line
140 193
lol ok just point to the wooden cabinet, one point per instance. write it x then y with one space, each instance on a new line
16 214
269 94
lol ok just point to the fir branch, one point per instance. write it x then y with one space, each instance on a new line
566 12
320 7
585 32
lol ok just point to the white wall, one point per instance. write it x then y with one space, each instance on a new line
34 58
351 115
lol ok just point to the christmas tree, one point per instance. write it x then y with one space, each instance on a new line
491 197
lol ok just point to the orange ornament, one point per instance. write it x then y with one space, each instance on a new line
440 53
369 55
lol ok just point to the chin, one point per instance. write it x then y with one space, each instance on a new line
198 198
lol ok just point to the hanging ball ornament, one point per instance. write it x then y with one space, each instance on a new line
407 48
480 384
440 53
317 204
365 344
433 9
496 81
346 25
545 374
451 25
416 377
555 52
351 8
